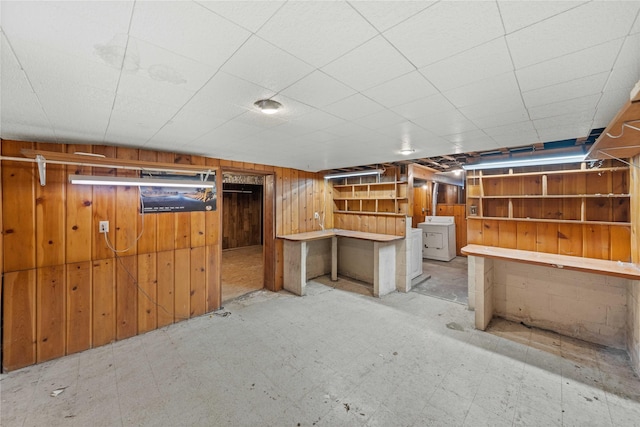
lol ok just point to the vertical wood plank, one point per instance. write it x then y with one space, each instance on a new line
269 250
147 292
182 284
620 238
295 204
78 306
51 316
166 231
213 283
127 207
147 224
183 230
18 209
507 234
165 289
526 237
198 280
547 237
287 201
490 232
570 239
126 297
279 214
19 319
79 212
104 208
50 213
596 238
104 302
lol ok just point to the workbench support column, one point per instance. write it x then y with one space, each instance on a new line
480 271
384 268
295 267
334 258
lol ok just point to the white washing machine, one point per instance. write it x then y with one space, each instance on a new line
438 238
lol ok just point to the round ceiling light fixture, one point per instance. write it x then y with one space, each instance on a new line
405 151
268 106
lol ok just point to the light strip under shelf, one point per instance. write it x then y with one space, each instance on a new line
138 182
532 161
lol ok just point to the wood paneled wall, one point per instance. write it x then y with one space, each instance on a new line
635 209
421 203
64 290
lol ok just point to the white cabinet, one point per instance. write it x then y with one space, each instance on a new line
416 252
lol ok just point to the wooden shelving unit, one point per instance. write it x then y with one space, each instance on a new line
579 211
599 196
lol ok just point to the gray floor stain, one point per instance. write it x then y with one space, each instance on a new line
448 280
455 326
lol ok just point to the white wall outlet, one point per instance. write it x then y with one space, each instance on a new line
104 226
316 215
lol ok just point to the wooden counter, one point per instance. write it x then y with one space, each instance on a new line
295 258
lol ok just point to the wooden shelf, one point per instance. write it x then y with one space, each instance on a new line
559 172
559 221
387 198
370 213
553 196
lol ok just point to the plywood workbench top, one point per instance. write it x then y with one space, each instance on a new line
590 265
323 234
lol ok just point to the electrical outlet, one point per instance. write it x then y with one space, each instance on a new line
316 215
103 227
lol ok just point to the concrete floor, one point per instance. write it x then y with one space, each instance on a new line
331 358
448 280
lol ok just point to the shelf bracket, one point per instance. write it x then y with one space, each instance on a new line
42 169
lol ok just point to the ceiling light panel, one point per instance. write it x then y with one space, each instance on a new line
265 65
430 30
324 30
369 65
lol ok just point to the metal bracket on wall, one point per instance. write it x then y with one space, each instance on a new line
42 169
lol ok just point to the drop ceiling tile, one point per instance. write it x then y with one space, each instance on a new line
572 31
515 139
385 14
472 137
380 119
630 53
323 31
576 130
227 96
292 109
563 121
517 15
401 90
479 63
567 90
369 65
406 132
225 136
432 104
609 105
250 15
504 118
259 120
584 103
185 127
569 67
346 129
353 107
188 29
494 107
265 65
125 130
143 111
513 128
470 146
75 28
445 29
319 120
318 90
445 123
320 136
501 86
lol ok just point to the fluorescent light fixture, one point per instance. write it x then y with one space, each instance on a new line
138 182
531 161
268 106
355 173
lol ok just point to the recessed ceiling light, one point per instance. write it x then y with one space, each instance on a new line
268 106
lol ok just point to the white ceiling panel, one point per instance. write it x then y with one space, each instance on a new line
428 37
263 64
572 31
187 28
569 67
482 62
502 86
354 78
353 107
518 15
401 90
369 65
250 15
385 14
324 30
432 104
318 90
568 90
